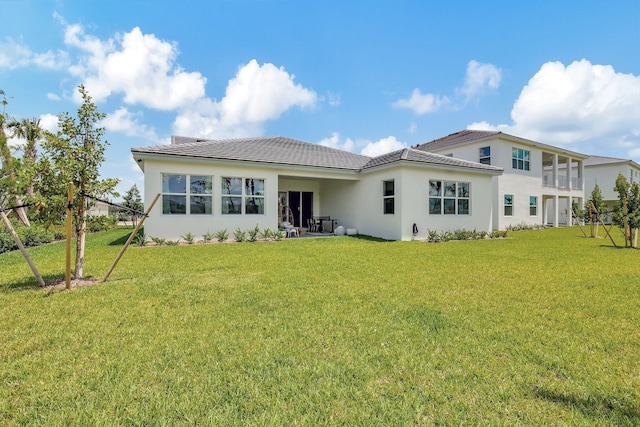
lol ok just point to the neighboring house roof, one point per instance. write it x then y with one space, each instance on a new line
273 149
606 161
425 157
287 151
471 136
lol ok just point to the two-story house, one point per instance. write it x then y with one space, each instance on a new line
604 171
536 187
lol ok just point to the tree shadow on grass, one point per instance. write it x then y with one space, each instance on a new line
619 411
123 239
369 238
26 283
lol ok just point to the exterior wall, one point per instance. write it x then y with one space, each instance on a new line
415 202
605 176
174 226
519 183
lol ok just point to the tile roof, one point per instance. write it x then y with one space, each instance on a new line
287 151
275 149
456 138
425 157
601 160
468 136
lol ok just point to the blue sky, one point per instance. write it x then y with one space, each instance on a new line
366 76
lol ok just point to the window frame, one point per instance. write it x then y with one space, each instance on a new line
508 205
533 207
484 158
520 159
388 198
449 197
188 194
239 193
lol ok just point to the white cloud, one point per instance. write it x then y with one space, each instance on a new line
383 146
49 122
14 55
334 141
581 102
125 122
257 94
412 128
139 66
421 103
480 78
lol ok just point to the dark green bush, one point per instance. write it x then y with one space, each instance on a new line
101 223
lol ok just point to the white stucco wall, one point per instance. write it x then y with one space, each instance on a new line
174 226
605 176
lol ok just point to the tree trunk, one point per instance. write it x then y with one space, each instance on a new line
635 238
81 227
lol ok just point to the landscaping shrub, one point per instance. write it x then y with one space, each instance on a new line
101 223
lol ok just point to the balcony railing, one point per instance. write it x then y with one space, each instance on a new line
547 180
576 183
563 182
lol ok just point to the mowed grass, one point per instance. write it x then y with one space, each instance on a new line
541 328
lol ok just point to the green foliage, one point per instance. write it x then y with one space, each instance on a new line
278 234
239 235
140 239
266 234
461 234
101 223
253 234
172 242
208 236
133 202
629 194
189 238
158 240
222 235
29 236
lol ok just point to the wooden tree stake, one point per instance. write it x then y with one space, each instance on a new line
126 245
21 247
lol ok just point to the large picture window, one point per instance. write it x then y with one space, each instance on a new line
186 194
520 159
388 197
449 197
242 195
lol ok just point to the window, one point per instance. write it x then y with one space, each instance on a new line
533 205
242 195
388 197
508 205
448 198
178 198
485 155
520 159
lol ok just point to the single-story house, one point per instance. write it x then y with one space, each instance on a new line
211 185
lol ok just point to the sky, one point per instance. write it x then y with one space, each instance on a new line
364 76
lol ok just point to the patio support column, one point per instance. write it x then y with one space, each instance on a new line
556 208
555 171
569 174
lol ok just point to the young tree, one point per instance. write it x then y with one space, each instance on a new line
629 195
74 155
600 208
133 201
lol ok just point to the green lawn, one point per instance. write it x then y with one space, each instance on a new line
540 328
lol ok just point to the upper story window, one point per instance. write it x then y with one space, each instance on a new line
242 195
448 198
485 155
388 197
520 159
186 194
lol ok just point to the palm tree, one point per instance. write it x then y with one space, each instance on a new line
30 130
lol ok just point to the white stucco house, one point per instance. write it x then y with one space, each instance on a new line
210 185
604 171
536 187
